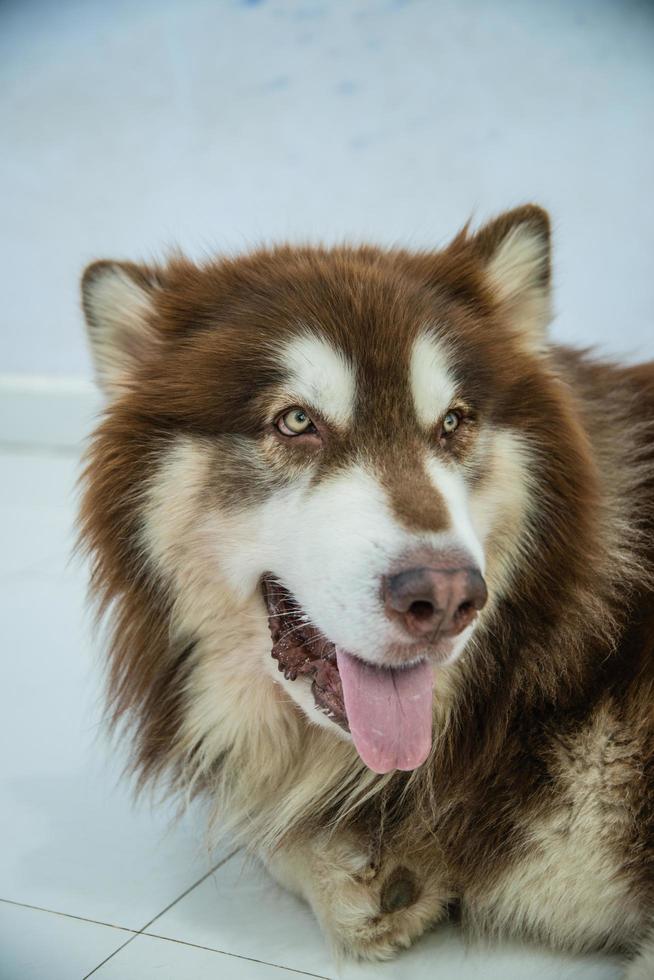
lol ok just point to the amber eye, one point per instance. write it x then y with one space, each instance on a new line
451 422
295 422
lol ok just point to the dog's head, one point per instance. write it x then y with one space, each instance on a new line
337 439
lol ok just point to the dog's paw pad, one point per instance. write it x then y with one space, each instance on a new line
399 891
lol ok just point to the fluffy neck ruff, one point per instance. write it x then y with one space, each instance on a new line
205 719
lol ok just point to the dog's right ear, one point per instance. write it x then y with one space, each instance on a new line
118 303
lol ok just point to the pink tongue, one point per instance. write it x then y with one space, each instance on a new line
389 711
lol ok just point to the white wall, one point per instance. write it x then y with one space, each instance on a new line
131 125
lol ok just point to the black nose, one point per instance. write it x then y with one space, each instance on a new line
436 599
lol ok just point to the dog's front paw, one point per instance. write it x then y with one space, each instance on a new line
366 911
378 914
372 913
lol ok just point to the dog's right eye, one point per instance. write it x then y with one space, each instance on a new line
295 422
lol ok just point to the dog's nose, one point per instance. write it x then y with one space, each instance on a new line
436 599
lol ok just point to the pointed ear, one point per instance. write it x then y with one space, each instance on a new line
118 303
515 251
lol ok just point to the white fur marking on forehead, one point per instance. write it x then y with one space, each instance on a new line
432 381
321 376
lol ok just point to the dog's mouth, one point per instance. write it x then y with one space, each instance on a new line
387 710
301 650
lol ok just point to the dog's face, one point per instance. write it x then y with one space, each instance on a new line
339 439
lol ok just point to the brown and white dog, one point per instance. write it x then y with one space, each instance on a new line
379 563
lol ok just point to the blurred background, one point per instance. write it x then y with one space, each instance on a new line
128 127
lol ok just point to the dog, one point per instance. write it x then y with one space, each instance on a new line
378 558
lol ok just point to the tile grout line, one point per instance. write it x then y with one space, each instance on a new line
66 915
190 889
111 955
140 931
238 956
134 933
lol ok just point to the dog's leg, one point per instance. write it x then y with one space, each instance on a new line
642 967
367 910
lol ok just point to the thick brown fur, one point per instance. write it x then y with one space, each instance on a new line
544 728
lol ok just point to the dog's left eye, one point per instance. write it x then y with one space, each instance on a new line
295 422
451 422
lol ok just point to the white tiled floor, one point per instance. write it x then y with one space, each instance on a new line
96 868
164 959
44 945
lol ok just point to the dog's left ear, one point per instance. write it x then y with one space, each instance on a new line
515 251
118 302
